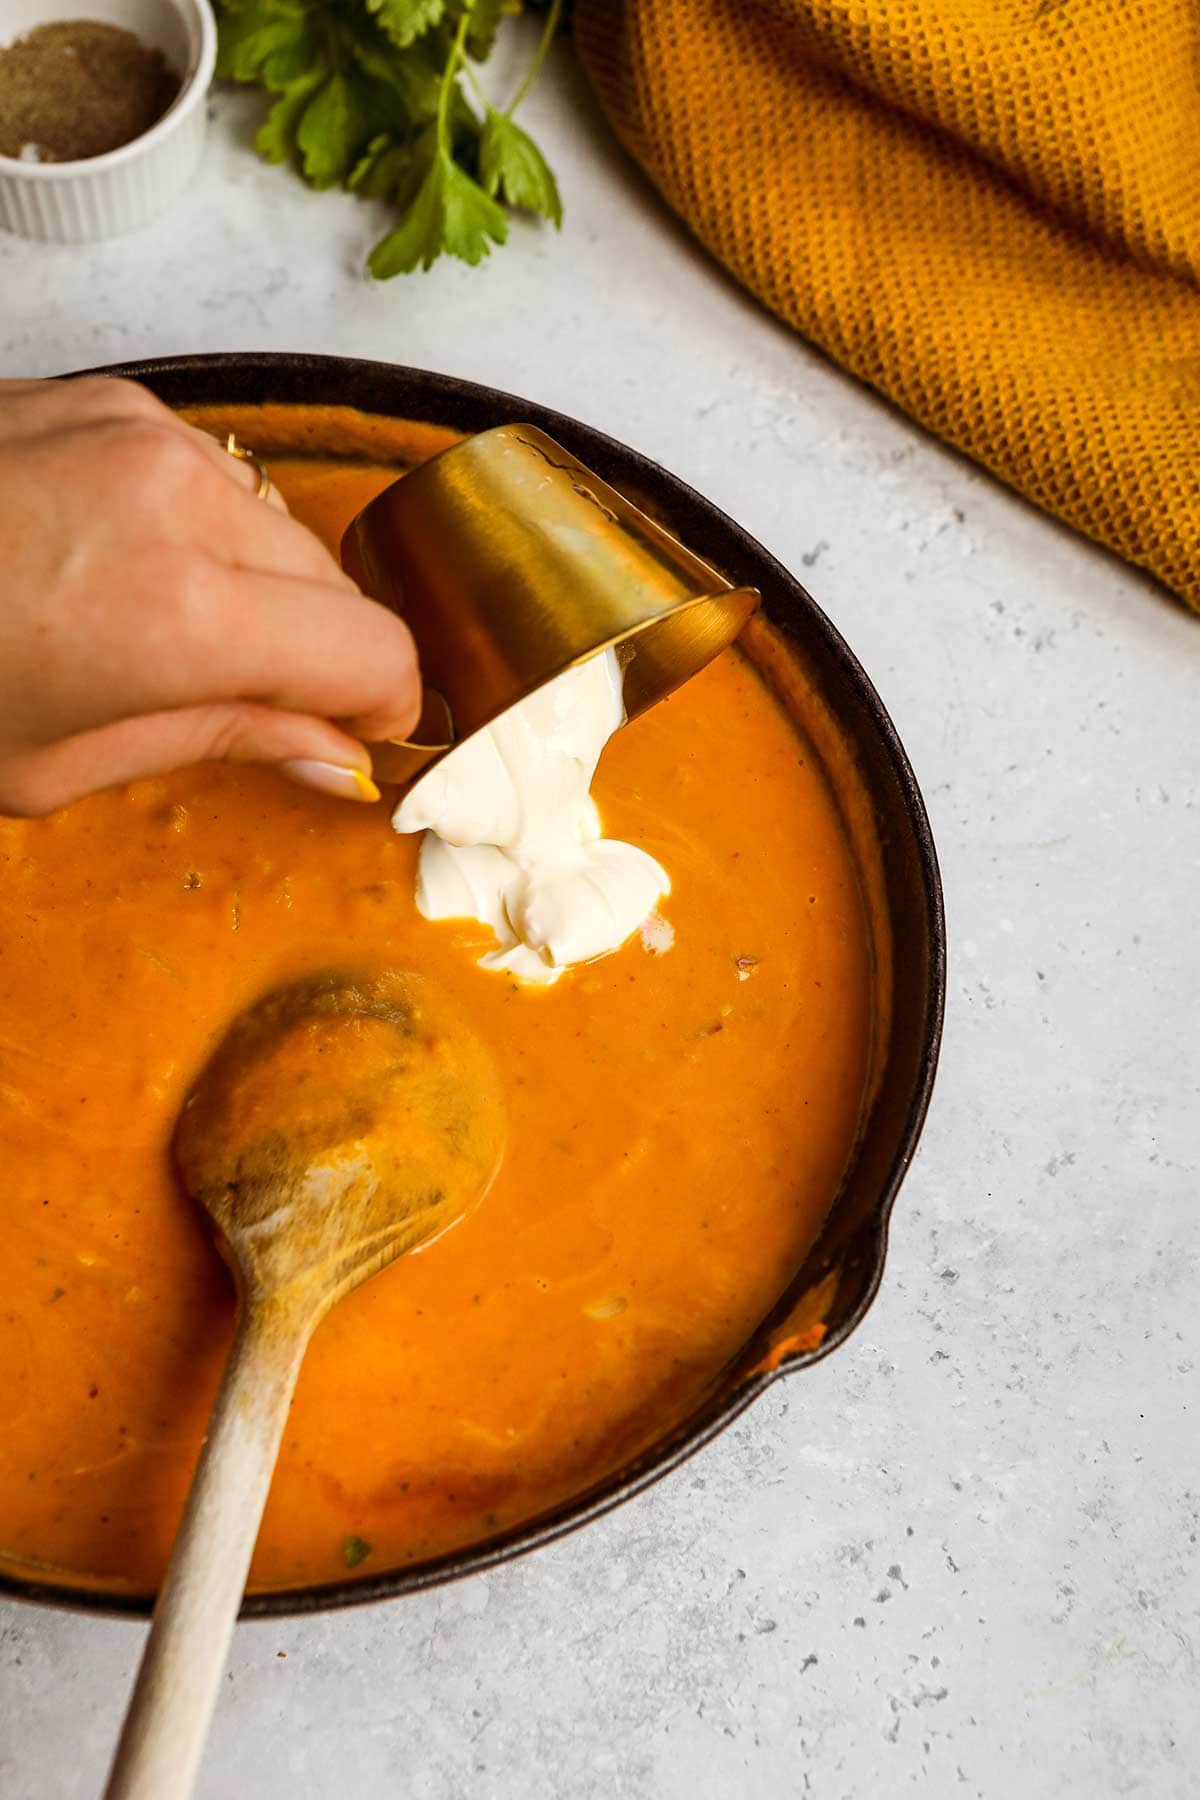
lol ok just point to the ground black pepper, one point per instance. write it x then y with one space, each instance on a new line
77 88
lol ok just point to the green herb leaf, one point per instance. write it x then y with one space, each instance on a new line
332 132
372 94
481 31
360 174
470 217
247 40
275 140
512 166
382 169
449 212
288 63
417 240
354 1551
411 80
404 21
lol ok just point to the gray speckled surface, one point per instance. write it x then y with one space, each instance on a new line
961 1556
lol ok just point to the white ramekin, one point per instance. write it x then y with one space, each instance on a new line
102 196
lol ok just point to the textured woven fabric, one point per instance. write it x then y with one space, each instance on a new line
989 209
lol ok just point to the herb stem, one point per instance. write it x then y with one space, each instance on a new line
539 57
448 75
334 42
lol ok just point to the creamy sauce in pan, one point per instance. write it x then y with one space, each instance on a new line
679 1125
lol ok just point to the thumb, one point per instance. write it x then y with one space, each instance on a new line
308 750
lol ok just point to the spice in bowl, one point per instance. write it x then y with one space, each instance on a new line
77 88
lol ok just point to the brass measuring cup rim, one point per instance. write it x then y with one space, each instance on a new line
511 562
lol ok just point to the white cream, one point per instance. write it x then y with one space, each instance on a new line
513 838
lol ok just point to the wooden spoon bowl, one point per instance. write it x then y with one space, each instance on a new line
343 1120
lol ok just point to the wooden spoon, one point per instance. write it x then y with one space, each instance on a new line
343 1121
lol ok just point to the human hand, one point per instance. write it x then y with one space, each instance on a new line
155 613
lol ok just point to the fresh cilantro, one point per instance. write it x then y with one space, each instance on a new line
482 25
354 1551
251 37
512 167
417 240
404 21
449 212
331 132
287 64
469 216
372 95
276 137
378 174
413 82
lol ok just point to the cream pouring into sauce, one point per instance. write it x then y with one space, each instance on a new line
513 838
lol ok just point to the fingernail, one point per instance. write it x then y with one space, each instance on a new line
331 778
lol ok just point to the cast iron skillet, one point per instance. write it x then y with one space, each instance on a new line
853 1242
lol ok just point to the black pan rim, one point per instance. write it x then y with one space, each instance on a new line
430 397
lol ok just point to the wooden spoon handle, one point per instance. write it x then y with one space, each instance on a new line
167 1721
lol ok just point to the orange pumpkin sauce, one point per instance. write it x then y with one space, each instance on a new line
678 1127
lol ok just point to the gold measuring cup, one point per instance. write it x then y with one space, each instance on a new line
510 562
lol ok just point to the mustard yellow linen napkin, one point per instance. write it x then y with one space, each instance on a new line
988 209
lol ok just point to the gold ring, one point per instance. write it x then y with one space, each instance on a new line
264 478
